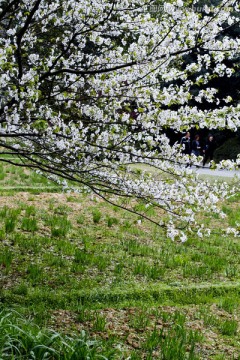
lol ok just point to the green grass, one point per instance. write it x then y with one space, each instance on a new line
70 264
22 339
15 179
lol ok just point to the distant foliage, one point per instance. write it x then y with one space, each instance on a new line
228 150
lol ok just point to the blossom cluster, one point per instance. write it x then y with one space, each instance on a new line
89 88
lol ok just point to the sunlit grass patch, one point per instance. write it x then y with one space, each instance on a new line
18 176
29 224
6 258
59 225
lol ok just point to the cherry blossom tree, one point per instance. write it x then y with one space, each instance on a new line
88 89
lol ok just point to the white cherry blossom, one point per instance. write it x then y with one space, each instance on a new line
89 88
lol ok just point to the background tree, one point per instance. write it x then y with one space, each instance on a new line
89 88
227 140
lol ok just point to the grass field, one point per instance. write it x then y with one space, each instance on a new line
80 279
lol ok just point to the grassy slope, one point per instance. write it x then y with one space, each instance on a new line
73 262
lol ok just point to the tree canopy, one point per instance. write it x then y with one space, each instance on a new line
89 88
